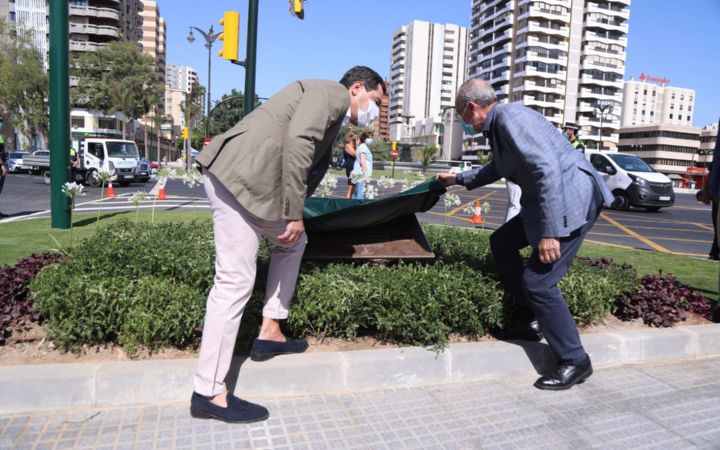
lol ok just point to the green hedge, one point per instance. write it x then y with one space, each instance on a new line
146 284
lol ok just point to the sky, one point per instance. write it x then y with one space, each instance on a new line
665 40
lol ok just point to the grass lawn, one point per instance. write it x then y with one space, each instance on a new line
22 238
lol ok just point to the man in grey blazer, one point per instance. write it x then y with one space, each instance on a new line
257 176
561 199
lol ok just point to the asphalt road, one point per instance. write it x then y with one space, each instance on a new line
686 228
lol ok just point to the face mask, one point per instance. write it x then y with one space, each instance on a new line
368 141
367 115
467 128
566 135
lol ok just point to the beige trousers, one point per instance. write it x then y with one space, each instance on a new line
237 239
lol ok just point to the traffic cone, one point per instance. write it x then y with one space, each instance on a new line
110 191
477 217
161 193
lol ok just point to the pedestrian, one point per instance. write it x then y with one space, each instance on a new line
362 170
257 176
571 132
349 152
562 197
711 194
3 170
514 193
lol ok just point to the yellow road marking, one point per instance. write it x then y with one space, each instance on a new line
675 230
702 225
630 232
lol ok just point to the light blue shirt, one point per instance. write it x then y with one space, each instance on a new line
363 149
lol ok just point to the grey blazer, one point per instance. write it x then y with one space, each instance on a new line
557 181
277 155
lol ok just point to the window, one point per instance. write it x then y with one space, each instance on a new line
95 149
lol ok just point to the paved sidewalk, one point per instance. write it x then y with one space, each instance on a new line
668 405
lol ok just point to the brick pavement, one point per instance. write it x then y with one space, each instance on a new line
668 405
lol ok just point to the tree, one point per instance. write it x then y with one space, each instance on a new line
23 86
228 111
380 150
426 155
117 77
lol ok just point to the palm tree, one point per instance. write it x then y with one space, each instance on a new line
426 155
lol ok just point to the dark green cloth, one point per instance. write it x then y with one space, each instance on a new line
327 214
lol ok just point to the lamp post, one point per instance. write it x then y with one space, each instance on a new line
210 37
602 108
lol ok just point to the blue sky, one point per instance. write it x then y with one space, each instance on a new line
681 44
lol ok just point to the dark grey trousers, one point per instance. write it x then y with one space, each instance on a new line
534 284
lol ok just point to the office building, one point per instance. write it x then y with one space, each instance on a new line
649 101
428 64
562 58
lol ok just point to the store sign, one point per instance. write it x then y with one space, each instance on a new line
644 77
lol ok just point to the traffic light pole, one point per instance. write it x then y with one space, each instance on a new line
251 57
60 209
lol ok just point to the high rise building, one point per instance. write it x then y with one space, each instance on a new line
562 58
428 63
646 103
31 20
153 39
179 81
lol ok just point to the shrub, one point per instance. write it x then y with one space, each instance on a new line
404 303
661 302
591 286
17 311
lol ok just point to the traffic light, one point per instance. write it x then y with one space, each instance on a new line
184 132
230 35
393 146
297 8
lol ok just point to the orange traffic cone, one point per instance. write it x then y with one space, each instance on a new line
477 217
161 194
110 191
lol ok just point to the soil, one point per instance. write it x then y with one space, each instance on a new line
31 347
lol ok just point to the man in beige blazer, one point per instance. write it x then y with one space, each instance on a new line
257 176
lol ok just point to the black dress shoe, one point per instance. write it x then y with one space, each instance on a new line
525 331
262 350
237 410
566 376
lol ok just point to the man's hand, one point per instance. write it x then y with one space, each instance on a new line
448 179
293 230
549 250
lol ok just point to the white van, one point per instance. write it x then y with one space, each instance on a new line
632 181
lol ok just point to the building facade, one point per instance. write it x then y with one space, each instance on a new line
31 21
179 82
428 64
683 153
646 103
562 58
153 41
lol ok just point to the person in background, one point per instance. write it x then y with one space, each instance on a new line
571 131
3 170
363 164
257 176
562 197
711 194
350 150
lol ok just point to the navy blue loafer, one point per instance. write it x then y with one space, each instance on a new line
263 350
237 411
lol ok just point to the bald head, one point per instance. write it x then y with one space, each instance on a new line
477 91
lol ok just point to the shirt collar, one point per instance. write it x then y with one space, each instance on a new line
488 121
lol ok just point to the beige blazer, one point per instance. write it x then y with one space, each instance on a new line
274 158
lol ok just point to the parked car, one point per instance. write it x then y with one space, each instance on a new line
34 169
142 174
632 181
15 162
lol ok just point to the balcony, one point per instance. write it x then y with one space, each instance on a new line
103 13
596 8
529 100
589 64
532 86
621 27
590 36
547 29
99 30
589 79
84 46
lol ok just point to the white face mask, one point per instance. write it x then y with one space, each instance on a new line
368 115
368 141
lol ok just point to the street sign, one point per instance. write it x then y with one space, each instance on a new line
206 141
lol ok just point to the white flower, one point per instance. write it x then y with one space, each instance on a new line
104 175
359 177
329 181
72 190
409 184
485 207
469 209
192 178
137 197
451 200
370 192
385 182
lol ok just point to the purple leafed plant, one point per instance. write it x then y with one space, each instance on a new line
662 301
17 311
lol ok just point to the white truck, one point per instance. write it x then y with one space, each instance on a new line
632 181
116 156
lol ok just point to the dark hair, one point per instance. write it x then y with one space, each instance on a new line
369 78
365 135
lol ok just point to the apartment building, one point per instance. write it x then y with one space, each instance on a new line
31 21
95 23
428 64
179 81
683 153
648 101
562 58
153 40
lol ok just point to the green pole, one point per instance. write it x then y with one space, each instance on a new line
60 209
250 58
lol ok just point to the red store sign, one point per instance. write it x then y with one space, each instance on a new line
644 77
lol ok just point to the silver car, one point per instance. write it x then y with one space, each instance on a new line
15 162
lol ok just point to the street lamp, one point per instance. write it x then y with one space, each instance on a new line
603 107
210 37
